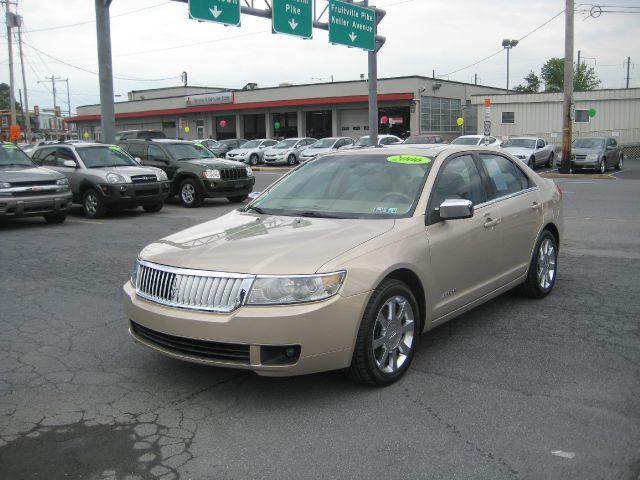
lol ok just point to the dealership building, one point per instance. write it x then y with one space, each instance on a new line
406 106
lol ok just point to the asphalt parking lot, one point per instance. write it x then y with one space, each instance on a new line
515 389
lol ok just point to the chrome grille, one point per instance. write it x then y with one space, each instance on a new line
143 178
192 289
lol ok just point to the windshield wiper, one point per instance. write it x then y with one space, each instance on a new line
255 209
317 215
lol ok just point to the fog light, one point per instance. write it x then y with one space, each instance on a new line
289 352
104 188
123 188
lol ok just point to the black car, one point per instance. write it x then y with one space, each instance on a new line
144 134
194 171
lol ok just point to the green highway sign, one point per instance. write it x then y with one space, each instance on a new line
352 25
226 12
293 17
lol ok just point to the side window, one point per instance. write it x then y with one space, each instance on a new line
506 178
64 154
459 178
48 158
614 143
156 153
136 150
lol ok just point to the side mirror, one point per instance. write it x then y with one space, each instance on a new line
455 208
70 164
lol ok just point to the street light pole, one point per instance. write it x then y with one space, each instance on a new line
508 45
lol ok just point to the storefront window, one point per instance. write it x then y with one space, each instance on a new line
439 114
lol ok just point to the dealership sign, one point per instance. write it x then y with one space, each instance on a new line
209 99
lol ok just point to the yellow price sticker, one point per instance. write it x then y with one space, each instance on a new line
115 149
409 159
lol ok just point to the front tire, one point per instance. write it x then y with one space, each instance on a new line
549 163
532 163
53 218
291 160
387 337
619 164
156 207
189 193
603 166
541 276
253 159
93 205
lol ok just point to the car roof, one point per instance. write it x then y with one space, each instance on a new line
524 138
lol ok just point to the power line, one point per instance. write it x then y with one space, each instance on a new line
58 27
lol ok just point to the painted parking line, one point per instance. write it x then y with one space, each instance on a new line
84 221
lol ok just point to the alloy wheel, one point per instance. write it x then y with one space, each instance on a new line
546 264
91 204
393 334
188 193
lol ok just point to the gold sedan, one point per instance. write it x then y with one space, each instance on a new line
345 262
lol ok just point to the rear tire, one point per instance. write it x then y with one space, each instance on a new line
387 337
156 207
541 276
619 164
93 205
54 218
189 194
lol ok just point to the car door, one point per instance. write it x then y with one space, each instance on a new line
462 252
517 198
74 174
157 157
611 152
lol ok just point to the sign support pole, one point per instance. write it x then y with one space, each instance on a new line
372 60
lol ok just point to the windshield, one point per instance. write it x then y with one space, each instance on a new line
362 142
419 140
465 141
252 144
212 143
588 143
324 143
12 156
371 185
520 142
285 144
188 151
98 157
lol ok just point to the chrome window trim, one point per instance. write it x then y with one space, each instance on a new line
191 271
506 197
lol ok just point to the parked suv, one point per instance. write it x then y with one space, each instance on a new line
194 171
221 147
27 190
104 177
144 134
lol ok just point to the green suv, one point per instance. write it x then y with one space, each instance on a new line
194 171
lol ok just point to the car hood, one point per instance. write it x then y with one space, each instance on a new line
263 244
27 174
130 171
215 163
312 152
519 151
586 151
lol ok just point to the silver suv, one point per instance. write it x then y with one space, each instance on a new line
104 177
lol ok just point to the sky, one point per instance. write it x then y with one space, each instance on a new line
154 41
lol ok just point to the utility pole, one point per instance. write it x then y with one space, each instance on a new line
105 69
628 62
578 64
11 22
565 165
68 97
53 86
25 105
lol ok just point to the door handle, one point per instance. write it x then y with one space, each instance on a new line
536 206
490 222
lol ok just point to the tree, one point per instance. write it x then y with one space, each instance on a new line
5 102
584 78
532 84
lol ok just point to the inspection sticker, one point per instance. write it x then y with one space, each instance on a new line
391 211
408 159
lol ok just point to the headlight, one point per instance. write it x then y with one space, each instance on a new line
134 272
115 178
268 290
62 181
4 185
592 156
211 174
162 176
522 157
249 172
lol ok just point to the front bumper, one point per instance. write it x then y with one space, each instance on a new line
322 334
134 194
228 188
36 205
275 159
237 158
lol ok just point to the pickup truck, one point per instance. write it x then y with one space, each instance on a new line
531 150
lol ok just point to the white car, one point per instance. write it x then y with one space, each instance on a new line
287 151
478 140
325 145
251 152
383 139
531 150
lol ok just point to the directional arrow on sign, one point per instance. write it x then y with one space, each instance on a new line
353 36
215 12
292 17
293 24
